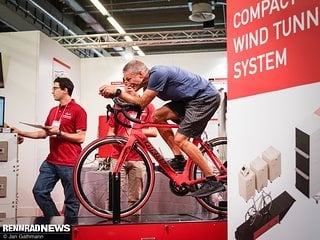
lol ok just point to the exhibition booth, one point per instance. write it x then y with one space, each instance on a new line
40 60
270 77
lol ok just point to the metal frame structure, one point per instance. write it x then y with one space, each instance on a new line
105 41
42 15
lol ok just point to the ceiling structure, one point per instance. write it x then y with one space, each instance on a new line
152 26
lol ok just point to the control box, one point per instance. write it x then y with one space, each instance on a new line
273 158
3 186
260 168
3 151
8 174
247 183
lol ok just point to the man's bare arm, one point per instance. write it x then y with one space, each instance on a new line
143 101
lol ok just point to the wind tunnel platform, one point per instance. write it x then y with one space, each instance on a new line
145 227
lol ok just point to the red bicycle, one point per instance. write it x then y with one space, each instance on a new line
95 193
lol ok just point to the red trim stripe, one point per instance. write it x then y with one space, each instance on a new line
61 63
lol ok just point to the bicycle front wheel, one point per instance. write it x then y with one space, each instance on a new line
93 184
217 202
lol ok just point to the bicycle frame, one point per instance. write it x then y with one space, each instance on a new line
136 135
181 183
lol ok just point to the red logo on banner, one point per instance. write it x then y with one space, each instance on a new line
118 83
272 45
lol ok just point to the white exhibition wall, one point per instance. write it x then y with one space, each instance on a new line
20 56
31 62
29 65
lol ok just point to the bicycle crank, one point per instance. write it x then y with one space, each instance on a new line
177 190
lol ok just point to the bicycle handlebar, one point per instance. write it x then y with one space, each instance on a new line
125 108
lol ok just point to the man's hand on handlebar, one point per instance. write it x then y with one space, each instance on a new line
126 109
107 91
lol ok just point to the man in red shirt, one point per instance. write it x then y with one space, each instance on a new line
134 169
66 126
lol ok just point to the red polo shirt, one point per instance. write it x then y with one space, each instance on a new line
72 118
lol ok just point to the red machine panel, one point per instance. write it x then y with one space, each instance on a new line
153 231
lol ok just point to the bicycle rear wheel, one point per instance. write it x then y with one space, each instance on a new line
217 202
93 186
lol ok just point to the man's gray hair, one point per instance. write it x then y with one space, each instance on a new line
135 66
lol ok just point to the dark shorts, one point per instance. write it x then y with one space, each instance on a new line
195 114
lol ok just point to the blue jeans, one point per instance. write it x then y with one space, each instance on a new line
49 175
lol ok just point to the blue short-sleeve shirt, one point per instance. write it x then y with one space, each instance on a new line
176 84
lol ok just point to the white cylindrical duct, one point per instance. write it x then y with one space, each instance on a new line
201 12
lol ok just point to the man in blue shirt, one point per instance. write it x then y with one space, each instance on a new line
194 100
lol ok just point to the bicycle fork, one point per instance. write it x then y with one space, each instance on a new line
115 181
123 155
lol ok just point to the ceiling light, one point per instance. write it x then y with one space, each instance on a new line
128 38
201 12
140 53
138 50
100 7
128 54
116 25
